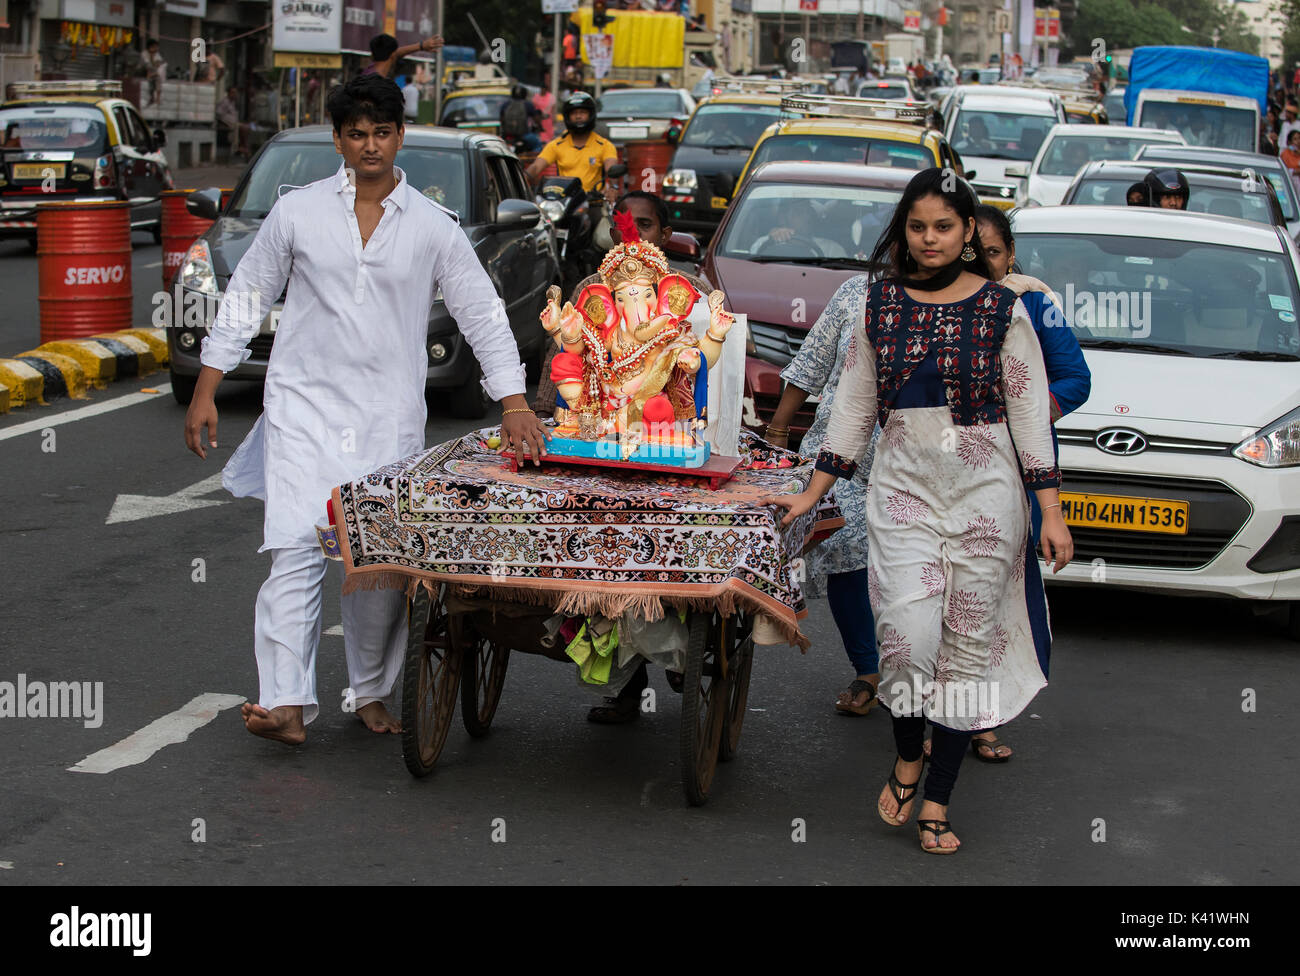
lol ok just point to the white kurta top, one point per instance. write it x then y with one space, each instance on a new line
345 382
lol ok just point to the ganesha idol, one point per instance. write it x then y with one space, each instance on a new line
633 374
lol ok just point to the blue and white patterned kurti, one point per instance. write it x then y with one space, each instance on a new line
817 369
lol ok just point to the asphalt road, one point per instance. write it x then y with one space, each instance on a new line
1142 728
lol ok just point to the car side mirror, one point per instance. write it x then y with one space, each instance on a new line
517 215
683 245
616 171
970 174
205 203
1017 169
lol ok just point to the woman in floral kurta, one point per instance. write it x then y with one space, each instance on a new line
838 566
953 375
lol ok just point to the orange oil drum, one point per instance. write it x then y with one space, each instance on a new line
84 252
647 158
180 229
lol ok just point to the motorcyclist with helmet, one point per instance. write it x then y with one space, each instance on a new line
1167 189
581 152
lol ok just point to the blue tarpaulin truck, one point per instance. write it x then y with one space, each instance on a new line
1212 96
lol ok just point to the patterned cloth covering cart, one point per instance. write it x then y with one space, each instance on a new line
491 558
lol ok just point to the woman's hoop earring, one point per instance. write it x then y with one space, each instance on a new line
968 254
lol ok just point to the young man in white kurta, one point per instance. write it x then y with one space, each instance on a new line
344 395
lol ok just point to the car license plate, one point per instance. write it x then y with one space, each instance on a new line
38 171
719 203
629 131
1125 513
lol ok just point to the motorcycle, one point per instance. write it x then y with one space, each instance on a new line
581 224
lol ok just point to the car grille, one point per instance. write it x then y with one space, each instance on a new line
1216 515
776 344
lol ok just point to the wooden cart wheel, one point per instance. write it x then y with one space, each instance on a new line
740 661
432 674
484 674
704 704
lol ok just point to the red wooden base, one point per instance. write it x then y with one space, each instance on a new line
718 469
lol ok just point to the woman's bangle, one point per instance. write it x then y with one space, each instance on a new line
1053 505
708 334
777 430
517 410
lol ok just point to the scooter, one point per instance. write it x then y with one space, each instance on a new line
581 225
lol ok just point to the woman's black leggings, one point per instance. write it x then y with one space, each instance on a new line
946 751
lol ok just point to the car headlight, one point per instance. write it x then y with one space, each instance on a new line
681 179
552 209
196 270
1274 446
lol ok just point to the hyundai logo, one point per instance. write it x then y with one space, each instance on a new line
1121 440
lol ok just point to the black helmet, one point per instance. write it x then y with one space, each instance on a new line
1167 182
574 102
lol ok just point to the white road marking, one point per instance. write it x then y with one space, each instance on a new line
129 508
335 631
155 264
171 728
6 865
83 413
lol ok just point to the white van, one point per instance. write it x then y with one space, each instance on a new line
1181 473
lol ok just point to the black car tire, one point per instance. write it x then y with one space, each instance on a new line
183 388
31 245
1293 622
157 232
469 401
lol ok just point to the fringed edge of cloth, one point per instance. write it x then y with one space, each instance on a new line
584 603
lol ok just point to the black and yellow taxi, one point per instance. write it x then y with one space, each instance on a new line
77 140
475 105
714 146
840 129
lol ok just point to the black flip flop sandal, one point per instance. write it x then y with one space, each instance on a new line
977 744
938 828
857 687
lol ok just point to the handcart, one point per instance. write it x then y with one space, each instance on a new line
489 555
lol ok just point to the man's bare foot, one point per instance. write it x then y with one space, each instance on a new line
377 719
282 723
933 811
909 779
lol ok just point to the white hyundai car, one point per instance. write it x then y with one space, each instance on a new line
1069 147
1181 473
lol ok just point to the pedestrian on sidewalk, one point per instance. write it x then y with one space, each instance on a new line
228 115
363 254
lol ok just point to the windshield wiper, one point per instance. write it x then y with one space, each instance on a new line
992 155
1132 346
791 259
1256 355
